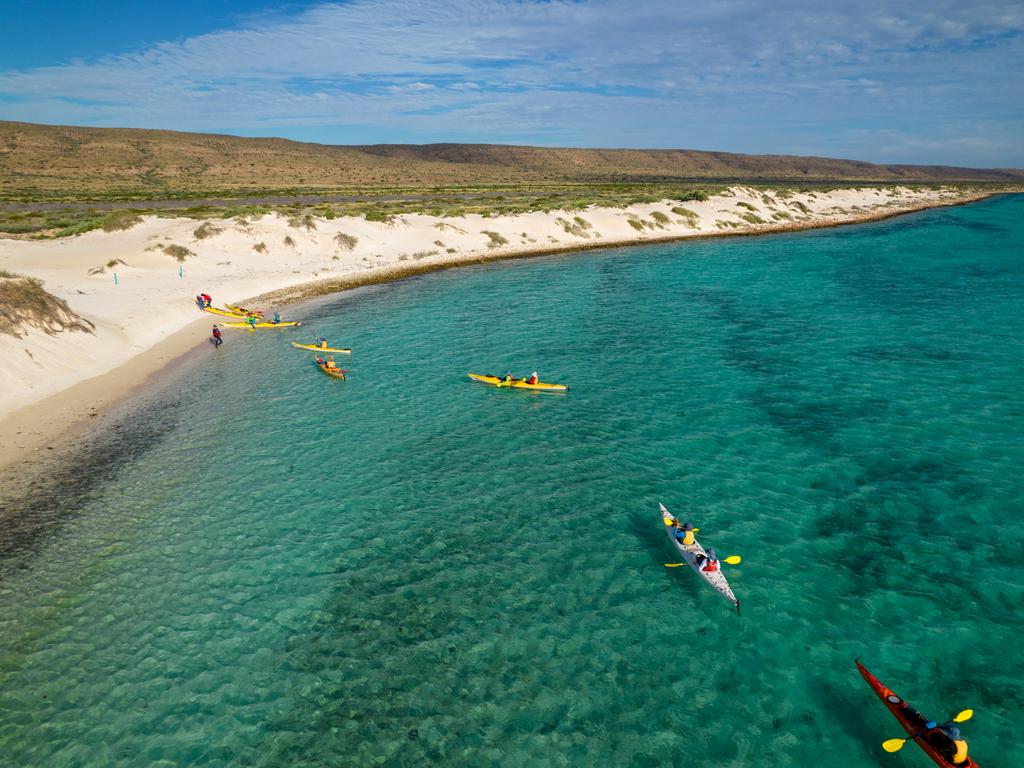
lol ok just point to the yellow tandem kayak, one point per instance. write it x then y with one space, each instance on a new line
264 324
518 383
314 348
336 373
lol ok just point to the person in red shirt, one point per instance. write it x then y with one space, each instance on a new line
533 378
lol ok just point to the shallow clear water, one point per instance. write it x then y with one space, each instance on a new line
273 568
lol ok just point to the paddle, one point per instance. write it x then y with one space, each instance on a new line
671 521
731 560
895 745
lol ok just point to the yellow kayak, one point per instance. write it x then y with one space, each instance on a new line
518 383
315 348
243 311
336 373
223 313
264 324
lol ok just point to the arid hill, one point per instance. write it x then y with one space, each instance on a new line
59 162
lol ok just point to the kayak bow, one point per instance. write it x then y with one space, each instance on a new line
518 383
934 741
716 579
223 313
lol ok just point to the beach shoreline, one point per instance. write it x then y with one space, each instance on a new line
29 430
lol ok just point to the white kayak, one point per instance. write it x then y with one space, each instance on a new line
715 579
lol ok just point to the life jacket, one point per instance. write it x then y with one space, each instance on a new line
532 380
960 754
216 333
323 344
710 566
688 539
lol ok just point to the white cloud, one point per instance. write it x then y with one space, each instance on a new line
735 75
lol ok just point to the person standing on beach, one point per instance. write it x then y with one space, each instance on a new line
217 340
277 318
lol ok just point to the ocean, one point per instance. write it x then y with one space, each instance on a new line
263 566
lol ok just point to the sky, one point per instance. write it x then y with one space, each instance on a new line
916 81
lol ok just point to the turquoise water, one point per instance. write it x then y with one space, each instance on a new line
266 567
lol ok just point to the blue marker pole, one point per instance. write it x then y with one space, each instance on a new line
115 278
181 271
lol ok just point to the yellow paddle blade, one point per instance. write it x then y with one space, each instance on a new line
964 716
893 745
696 530
668 521
734 560
673 565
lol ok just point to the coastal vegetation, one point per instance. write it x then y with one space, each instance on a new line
346 242
25 303
178 252
205 230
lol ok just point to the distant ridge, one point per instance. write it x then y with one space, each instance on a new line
47 160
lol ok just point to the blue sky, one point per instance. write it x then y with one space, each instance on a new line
915 81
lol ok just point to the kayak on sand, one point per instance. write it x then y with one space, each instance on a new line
315 348
243 311
223 313
936 743
715 579
518 383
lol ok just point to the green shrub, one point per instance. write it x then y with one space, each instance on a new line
302 221
494 239
660 217
178 252
384 218
205 230
116 221
346 242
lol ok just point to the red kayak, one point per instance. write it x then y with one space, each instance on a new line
934 741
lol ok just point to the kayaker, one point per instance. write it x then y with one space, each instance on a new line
200 302
207 299
330 363
708 563
322 342
958 753
252 320
507 378
277 318
684 534
217 340
533 378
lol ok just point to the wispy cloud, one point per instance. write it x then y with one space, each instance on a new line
789 77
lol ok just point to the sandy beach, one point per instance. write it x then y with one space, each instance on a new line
139 297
